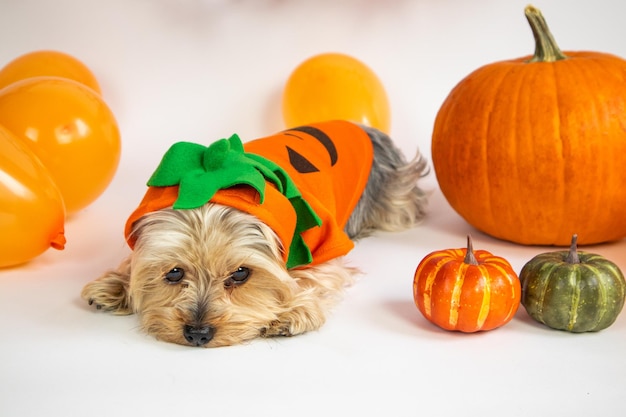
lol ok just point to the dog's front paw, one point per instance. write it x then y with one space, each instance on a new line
108 293
276 328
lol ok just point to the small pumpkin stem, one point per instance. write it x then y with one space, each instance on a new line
546 49
469 255
572 256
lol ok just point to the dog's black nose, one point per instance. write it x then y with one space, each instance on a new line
198 335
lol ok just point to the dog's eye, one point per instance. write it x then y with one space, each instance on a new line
241 274
238 277
175 275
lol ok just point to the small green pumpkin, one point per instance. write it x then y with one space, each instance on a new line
572 291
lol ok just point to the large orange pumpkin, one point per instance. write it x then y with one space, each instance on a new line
533 150
466 290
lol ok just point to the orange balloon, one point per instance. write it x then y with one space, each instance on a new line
32 214
47 63
72 131
335 86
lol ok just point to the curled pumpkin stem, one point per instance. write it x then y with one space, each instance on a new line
546 49
572 256
470 259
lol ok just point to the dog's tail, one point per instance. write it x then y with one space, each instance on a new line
392 200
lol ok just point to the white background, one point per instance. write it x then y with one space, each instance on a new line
201 70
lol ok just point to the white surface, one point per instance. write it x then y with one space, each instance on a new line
201 70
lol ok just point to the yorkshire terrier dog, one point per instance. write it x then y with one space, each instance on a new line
237 241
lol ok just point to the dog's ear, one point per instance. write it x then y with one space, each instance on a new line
110 291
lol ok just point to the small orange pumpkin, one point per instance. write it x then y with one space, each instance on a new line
466 290
533 150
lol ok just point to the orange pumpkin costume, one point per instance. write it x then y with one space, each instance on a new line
315 178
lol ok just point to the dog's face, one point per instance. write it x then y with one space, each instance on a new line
215 276
212 276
